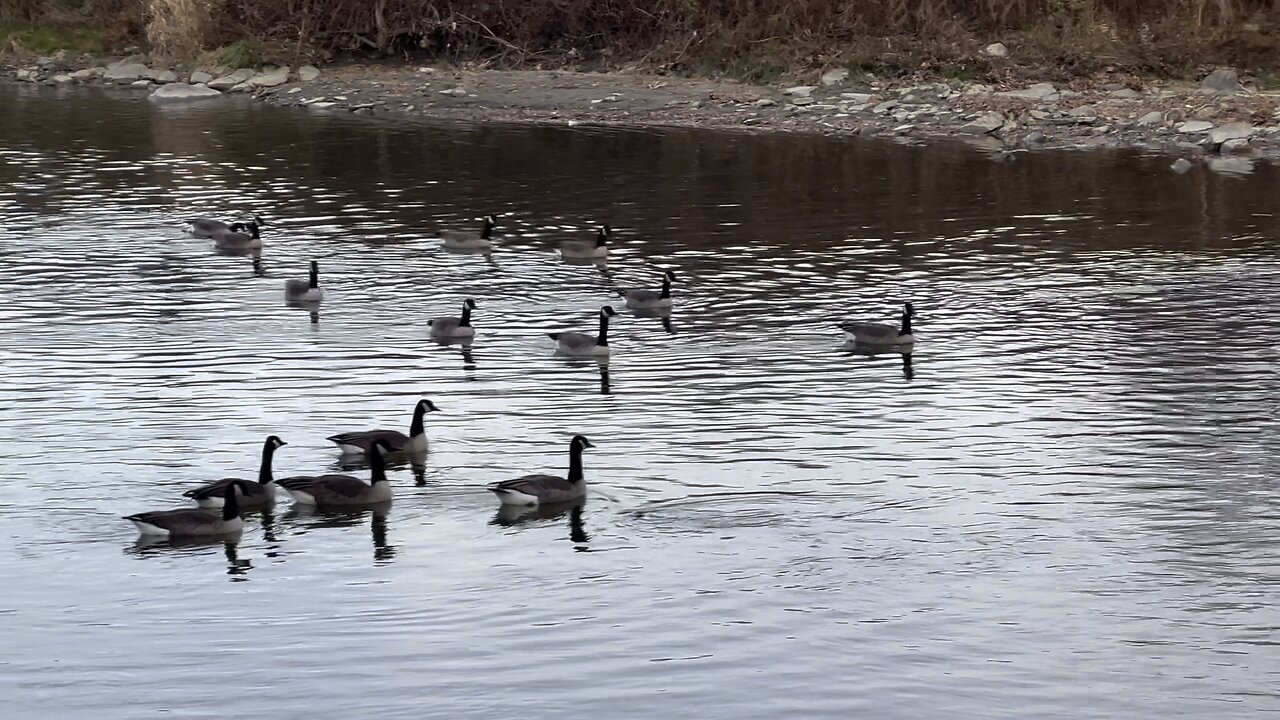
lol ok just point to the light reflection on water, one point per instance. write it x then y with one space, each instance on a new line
1063 505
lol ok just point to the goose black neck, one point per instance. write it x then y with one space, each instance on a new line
466 316
315 275
253 230
231 503
575 462
377 467
601 239
906 323
603 337
488 230
264 471
666 287
415 427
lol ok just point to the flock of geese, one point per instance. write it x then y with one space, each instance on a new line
219 504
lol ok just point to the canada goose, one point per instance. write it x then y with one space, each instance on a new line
452 327
189 522
536 489
576 343
882 333
597 248
356 443
256 494
469 240
206 228
305 290
235 237
343 489
648 299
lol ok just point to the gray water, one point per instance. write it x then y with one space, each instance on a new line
1067 508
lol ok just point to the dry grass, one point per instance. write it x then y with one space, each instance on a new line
180 28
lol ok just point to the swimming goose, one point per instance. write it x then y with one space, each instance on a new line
452 327
236 237
206 228
305 290
576 343
882 333
469 240
195 522
537 489
597 248
256 494
356 443
649 299
327 490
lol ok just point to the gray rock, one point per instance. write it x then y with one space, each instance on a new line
85 74
1084 111
220 70
1034 138
271 78
802 101
166 76
800 90
62 79
243 87
862 98
885 107
308 73
766 102
1126 94
834 76
1068 94
140 83
27 74
1151 119
183 91
1039 114
1174 116
1231 165
996 50
1181 165
1195 126
976 89
1236 146
455 92
126 72
1222 80
984 124
1230 131
200 77
1040 91
231 79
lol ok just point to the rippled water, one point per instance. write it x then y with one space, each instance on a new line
1066 507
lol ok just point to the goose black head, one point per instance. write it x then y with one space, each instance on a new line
580 442
608 311
428 406
669 274
906 308
258 220
606 230
469 303
380 447
275 442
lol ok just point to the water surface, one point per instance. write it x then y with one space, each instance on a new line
1065 506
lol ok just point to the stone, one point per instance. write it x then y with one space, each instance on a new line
1230 165
766 102
84 75
126 72
996 50
1222 80
1181 165
1084 111
1039 114
1068 94
800 90
1040 91
62 79
1034 138
308 73
243 87
1230 131
885 107
802 101
455 92
862 98
166 76
140 83
984 124
220 70
27 74
231 79
294 90
1195 126
835 76
1126 94
183 91
271 78
976 89
200 77
1236 146
1174 116
1151 119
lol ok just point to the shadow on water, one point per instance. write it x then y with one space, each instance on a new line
872 352
519 516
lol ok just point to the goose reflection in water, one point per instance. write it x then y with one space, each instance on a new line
464 349
514 516
154 546
258 269
312 307
305 518
872 351
663 315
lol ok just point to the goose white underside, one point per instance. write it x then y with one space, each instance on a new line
303 497
514 497
228 527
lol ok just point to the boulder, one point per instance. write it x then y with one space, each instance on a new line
271 78
1084 111
1236 146
1040 91
62 79
1126 94
126 72
1174 116
1181 165
1222 80
308 73
140 83
1195 126
200 77
166 76
231 79
984 124
857 97
996 50
85 75
27 74
800 90
1151 119
1230 131
183 91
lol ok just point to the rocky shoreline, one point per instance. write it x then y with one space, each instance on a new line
1218 122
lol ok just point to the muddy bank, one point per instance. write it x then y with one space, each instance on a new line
1218 121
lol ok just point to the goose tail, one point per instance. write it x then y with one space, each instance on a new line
554 336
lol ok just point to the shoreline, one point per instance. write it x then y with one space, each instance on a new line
1218 122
